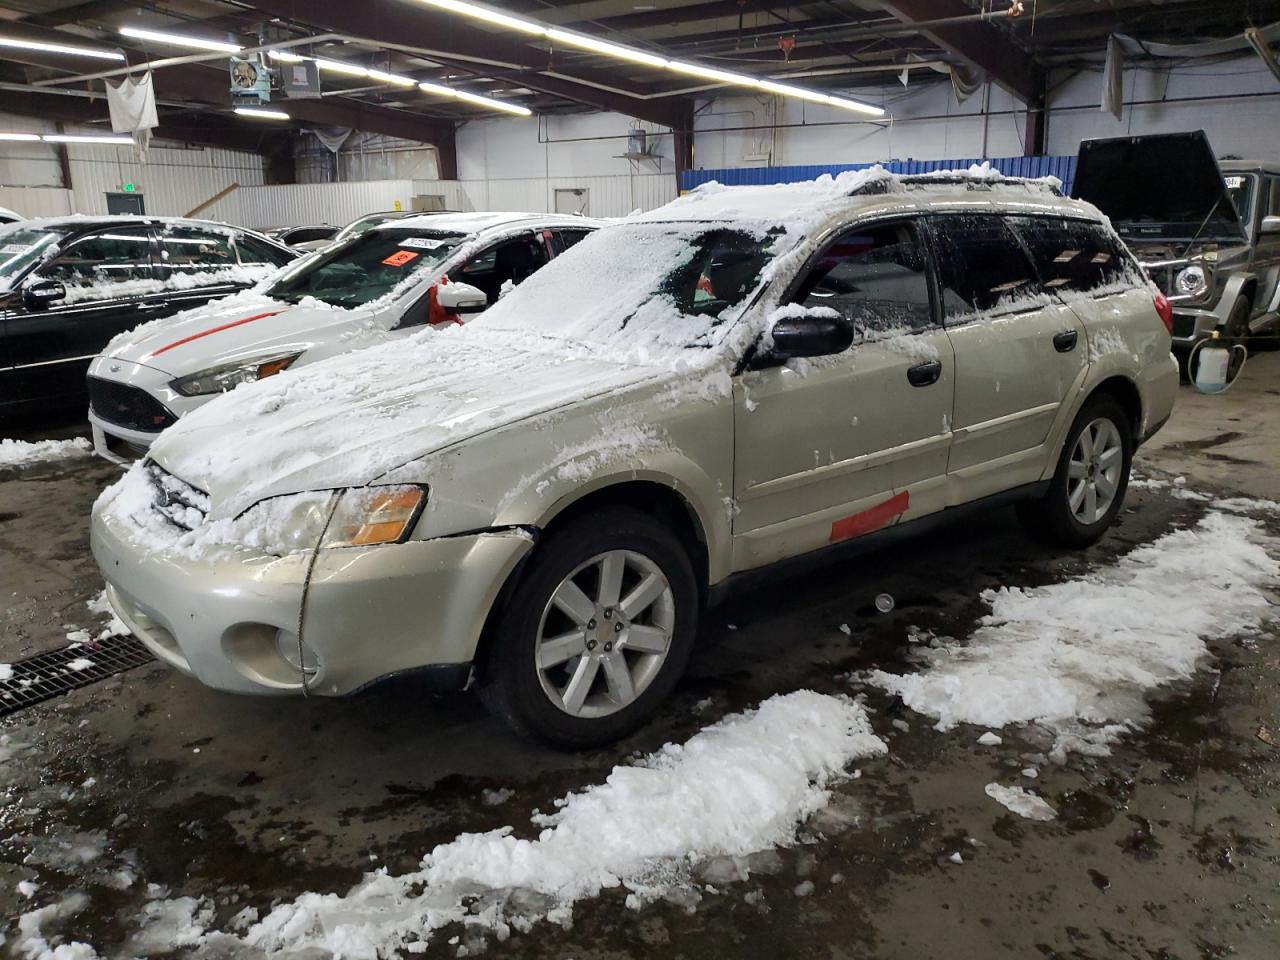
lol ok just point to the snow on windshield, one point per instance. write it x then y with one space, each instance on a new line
656 284
20 248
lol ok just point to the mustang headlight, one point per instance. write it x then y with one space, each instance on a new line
222 378
369 515
1190 281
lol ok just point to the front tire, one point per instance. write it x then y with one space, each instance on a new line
597 632
1091 478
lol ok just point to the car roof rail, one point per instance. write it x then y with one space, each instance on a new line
1047 185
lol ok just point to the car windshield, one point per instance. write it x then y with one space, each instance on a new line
1240 190
367 267
670 283
20 248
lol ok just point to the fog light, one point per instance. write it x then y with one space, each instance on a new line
288 648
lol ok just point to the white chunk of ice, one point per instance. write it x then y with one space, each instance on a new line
990 739
1020 801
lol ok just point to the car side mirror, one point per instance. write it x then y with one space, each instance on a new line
40 293
809 332
461 298
1271 224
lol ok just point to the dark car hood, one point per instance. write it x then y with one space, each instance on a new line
1161 187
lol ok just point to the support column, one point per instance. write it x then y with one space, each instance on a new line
682 140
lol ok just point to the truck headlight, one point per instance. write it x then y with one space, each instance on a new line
1190 281
222 378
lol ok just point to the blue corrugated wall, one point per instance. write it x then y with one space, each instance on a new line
1064 168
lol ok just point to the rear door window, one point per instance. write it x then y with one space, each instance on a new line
875 277
190 252
97 267
1074 256
253 251
982 269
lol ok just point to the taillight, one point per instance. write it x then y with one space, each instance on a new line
1165 309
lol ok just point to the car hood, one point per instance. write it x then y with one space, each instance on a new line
1160 187
348 420
249 324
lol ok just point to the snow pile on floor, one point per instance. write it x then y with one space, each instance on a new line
23 453
739 786
1022 802
33 942
1077 658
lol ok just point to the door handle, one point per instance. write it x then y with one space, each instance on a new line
1065 341
923 374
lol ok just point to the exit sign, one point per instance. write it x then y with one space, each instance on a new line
129 187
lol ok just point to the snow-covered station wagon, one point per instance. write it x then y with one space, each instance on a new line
544 500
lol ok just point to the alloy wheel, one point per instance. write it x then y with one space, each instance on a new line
605 633
1093 474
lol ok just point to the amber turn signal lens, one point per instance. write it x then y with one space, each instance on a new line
384 518
271 368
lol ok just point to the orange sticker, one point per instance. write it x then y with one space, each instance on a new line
400 258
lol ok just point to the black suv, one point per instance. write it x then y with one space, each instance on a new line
70 284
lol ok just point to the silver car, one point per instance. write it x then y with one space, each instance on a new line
544 501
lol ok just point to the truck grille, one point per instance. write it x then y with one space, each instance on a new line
128 406
177 501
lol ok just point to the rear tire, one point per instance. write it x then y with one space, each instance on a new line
596 633
1089 484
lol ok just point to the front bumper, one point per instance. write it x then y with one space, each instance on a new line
1191 325
371 612
124 442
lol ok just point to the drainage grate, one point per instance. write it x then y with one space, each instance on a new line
49 675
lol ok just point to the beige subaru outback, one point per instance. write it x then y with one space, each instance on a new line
542 502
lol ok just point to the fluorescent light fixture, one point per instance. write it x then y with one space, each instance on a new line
337 66
488 15
85 138
604 48
284 56
711 73
488 102
19 44
261 113
180 40
631 54
383 77
20 136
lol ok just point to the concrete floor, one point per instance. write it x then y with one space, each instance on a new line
1167 849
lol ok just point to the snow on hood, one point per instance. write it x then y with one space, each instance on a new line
348 420
245 324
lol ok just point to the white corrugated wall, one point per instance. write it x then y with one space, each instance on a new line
174 179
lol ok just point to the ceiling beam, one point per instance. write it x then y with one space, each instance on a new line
978 44
413 25
80 12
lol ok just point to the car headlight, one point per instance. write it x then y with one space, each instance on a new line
370 515
1190 281
222 378
363 516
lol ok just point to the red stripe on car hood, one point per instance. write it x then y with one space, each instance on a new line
211 330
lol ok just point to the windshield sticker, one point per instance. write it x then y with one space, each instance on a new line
400 258
1233 183
422 243
15 248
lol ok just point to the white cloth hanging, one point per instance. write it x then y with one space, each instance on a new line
132 103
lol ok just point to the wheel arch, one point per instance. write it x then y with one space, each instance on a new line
662 501
1126 393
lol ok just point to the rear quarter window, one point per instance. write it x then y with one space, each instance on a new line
1076 256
